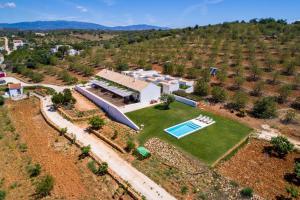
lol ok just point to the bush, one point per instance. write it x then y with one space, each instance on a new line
2 194
34 170
184 189
297 170
238 101
130 145
44 186
85 150
23 147
293 191
264 108
1 100
96 122
218 94
202 88
247 192
103 169
289 116
92 166
167 99
63 130
281 145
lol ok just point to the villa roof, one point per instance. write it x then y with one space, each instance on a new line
14 86
127 81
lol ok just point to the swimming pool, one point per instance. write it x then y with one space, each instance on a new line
183 129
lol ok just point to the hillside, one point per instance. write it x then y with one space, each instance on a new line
57 25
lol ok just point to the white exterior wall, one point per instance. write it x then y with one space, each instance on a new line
186 101
151 92
109 108
168 89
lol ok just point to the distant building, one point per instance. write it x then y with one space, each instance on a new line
17 44
167 83
71 51
40 34
15 89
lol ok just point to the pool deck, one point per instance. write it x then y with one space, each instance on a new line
195 121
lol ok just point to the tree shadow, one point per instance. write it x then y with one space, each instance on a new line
161 107
282 197
270 151
292 178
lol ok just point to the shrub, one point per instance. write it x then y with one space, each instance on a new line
103 169
2 194
184 189
115 135
296 103
44 186
1 100
92 166
63 130
85 150
297 170
96 122
264 108
218 94
289 116
34 170
167 99
247 192
284 92
130 145
23 147
202 88
293 191
239 100
281 145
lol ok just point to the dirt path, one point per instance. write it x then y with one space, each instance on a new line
38 137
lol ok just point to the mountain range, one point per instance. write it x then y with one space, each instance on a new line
58 25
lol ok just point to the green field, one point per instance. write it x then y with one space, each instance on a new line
207 145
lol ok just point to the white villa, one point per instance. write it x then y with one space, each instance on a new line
168 83
17 44
71 51
128 87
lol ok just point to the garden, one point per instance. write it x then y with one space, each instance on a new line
207 144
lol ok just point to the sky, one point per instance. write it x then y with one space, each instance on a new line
167 13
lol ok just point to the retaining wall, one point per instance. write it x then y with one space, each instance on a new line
186 101
109 108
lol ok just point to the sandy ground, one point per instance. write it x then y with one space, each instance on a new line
254 168
82 103
72 178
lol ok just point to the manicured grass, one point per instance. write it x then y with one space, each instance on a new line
207 144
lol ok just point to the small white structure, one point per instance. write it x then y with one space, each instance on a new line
145 92
168 83
15 90
40 34
71 51
17 44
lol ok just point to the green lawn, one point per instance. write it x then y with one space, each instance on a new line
207 144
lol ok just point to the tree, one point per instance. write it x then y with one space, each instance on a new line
275 76
168 68
130 145
167 99
289 68
2 194
96 122
247 192
289 116
284 92
122 67
218 94
63 50
264 108
57 99
205 74
201 88
238 82
68 97
85 150
44 186
255 72
34 170
1 100
239 100
281 145
103 169
297 170
257 90
222 76
180 70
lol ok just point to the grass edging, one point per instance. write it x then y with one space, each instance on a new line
135 195
231 150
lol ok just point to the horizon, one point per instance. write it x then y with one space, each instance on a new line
175 14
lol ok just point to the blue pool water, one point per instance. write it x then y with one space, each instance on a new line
183 129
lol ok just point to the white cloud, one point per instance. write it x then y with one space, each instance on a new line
82 9
109 2
201 7
8 5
